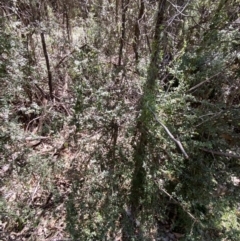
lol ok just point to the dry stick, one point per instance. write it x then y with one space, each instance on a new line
61 61
182 10
32 121
37 138
34 192
67 55
220 153
48 65
179 12
205 81
170 134
169 195
41 91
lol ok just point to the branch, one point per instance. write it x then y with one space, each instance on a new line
177 202
180 12
205 81
219 153
170 135
60 62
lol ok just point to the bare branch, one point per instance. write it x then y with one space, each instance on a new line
220 153
170 135
180 12
177 202
208 79
67 55
203 82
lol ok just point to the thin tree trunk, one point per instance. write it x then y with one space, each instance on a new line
137 191
68 25
116 11
137 31
156 47
123 30
48 66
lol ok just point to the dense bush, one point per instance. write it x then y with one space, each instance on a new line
120 120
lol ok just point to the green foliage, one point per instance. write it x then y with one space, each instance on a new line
140 151
197 116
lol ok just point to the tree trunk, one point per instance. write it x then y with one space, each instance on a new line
48 66
123 30
148 100
137 31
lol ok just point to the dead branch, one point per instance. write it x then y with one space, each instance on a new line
177 202
170 135
219 153
67 55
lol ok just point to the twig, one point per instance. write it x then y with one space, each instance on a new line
64 57
36 138
170 135
32 121
182 10
34 192
214 115
219 153
179 12
177 202
205 81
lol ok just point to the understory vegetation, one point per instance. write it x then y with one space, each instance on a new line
120 120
